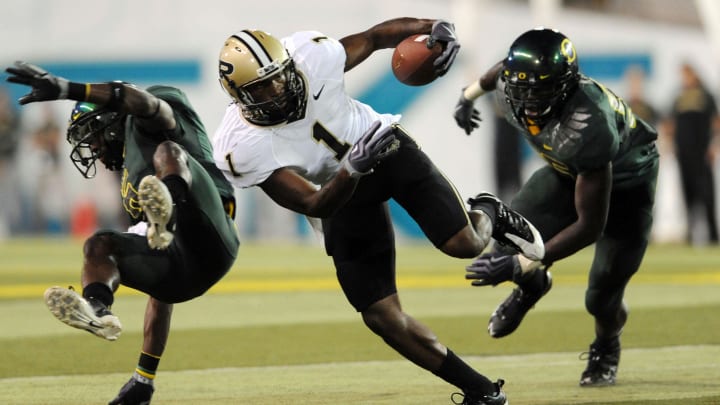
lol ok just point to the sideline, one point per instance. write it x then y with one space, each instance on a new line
15 291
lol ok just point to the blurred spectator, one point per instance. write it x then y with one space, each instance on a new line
508 157
635 98
44 189
692 124
9 135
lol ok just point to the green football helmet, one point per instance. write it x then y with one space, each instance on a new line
96 133
540 71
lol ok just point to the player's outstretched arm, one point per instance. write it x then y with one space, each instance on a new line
466 115
388 34
154 113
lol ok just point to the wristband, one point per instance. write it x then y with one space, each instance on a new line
78 91
147 366
143 380
473 91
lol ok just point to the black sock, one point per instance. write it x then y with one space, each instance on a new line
605 343
100 292
177 186
533 282
458 373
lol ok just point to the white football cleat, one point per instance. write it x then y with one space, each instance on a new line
156 201
72 309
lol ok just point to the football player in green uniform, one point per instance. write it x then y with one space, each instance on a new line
598 186
183 239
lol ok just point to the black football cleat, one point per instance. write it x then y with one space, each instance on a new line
510 313
497 398
602 365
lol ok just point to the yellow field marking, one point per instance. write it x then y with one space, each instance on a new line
406 282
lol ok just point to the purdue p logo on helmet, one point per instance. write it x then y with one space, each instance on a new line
259 75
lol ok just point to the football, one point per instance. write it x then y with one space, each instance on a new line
412 60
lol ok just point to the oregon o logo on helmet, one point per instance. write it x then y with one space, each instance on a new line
568 50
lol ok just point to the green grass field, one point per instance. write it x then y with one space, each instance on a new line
277 330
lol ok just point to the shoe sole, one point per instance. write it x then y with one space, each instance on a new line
598 383
493 332
156 202
73 310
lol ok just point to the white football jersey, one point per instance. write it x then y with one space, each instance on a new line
313 146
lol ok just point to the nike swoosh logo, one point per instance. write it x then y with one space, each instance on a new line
317 95
497 260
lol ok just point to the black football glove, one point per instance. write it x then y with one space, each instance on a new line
466 115
44 85
444 32
137 391
492 269
370 149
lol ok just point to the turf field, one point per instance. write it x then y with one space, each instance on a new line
277 330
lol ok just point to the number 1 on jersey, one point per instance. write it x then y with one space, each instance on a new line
320 134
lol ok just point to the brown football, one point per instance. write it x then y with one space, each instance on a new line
412 60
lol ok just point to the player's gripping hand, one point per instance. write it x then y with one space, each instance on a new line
444 32
466 115
44 85
137 391
494 268
491 269
370 149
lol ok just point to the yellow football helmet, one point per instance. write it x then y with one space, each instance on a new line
260 76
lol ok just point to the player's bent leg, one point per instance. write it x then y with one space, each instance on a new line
419 344
90 315
157 204
403 333
469 242
510 228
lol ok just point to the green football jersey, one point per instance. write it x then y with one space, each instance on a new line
140 146
594 127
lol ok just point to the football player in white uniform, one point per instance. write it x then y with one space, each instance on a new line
293 131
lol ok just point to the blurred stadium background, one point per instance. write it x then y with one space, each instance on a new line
282 289
177 42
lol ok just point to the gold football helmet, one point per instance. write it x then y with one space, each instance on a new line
260 76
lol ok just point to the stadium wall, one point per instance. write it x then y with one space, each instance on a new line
176 42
